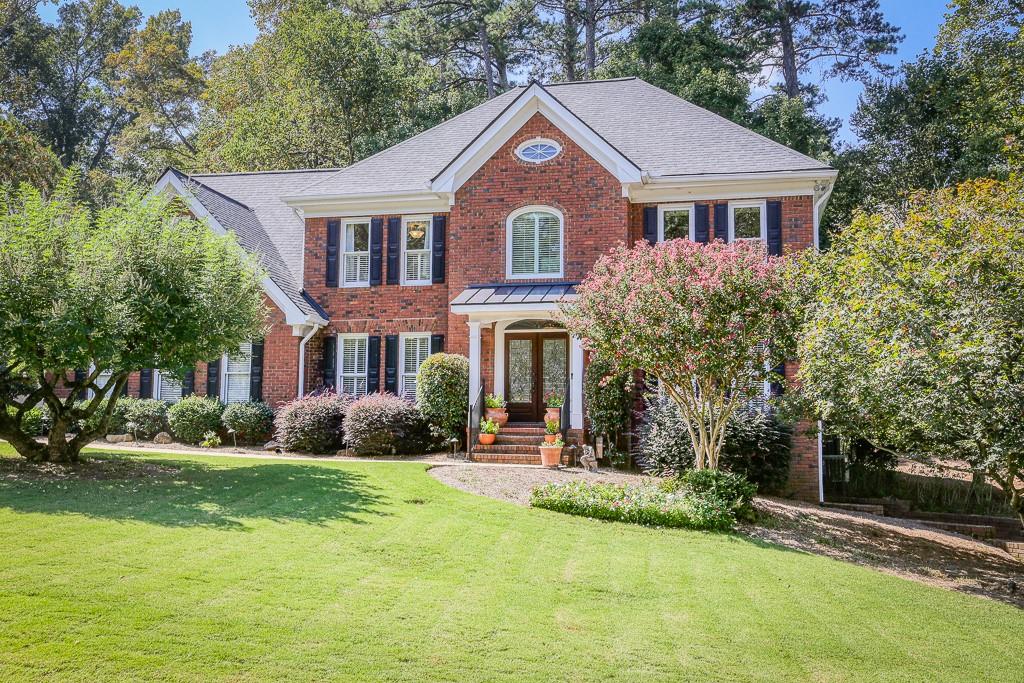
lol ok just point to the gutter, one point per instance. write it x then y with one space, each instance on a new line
302 358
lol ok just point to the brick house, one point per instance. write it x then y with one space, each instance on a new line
466 236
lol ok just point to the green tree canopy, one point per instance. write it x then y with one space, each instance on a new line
914 331
135 285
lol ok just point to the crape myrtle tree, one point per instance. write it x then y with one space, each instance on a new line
138 284
707 321
914 332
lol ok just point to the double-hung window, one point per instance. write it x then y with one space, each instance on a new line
675 222
534 238
416 250
352 356
414 350
237 375
168 387
747 221
355 262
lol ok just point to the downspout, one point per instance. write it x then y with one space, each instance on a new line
819 206
302 358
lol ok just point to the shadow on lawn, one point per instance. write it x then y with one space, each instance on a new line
189 494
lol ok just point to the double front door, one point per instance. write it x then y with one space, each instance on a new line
536 364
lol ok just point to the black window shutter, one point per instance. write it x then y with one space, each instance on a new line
651 224
333 246
188 385
437 238
394 250
376 249
256 372
701 229
774 221
391 363
146 383
80 377
776 387
373 364
437 343
213 379
330 353
722 222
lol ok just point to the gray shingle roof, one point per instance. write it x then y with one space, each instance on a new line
249 204
659 132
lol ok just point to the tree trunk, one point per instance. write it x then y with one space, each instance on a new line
485 51
591 36
569 39
791 80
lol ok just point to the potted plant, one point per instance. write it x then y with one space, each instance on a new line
551 453
488 431
551 431
553 401
494 409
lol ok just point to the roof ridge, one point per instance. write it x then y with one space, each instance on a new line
316 182
590 80
229 198
284 170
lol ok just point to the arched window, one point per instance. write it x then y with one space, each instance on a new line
534 240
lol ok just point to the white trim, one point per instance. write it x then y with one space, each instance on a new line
402 336
360 220
302 359
576 382
819 207
338 374
508 243
811 174
760 204
474 360
531 101
821 464
377 204
701 189
429 220
663 208
538 141
292 314
494 312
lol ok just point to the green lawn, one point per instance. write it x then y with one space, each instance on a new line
254 570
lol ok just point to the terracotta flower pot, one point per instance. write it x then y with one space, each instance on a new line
550 438
499 415
550 456
552 414
487 439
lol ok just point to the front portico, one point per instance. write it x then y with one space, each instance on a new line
531 355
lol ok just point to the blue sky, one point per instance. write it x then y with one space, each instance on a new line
218 24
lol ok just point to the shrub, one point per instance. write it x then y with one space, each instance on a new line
646 504
251 422
193 416
210 440
143 417
608 397
756 444
733 490
313 423
31 420
442 387
385 424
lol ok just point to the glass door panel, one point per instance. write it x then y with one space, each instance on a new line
553 355
520 371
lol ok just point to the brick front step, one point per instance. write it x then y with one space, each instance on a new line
522 431
507 448
980 531
506 458
519 439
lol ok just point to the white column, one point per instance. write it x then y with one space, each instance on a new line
576 383
474 360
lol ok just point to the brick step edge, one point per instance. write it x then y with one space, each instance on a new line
857 507
507 448
1014 548
511 458
981 531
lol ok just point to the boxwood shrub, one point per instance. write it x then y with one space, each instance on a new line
731 488
385 424
647 504
442 385
193 416
312 424
252 421
31 420
143 417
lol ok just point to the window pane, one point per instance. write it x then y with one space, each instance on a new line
550 243
417 266
677 224
416 233
524 253
357 268
554 366
353 355
520 370
747 222
357 237
241 361
170 388
103 378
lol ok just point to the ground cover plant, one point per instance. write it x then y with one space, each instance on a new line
296 570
